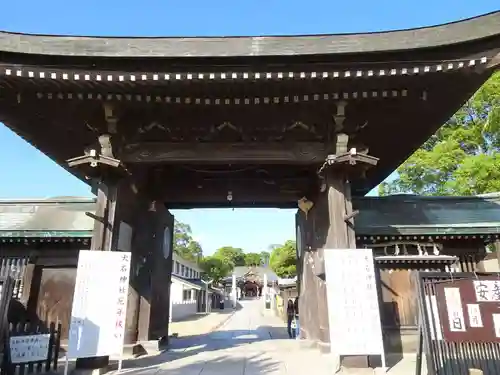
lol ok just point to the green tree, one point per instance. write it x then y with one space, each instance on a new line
231 255
463 157
184 245
252 259
215 268
283 260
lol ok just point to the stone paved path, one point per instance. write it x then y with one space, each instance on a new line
200 324
251 342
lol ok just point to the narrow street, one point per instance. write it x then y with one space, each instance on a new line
251 342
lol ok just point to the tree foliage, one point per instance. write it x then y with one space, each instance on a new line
283 260
253 259
231 255
184 245
463 157
214 268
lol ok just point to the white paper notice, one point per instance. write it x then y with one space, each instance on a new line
454 307
474 312
487 290
32 348
99 304
496 324
353 305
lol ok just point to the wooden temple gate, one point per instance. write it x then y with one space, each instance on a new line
159 124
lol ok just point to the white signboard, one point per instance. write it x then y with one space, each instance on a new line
353 305
475 318
32 348
99 304
487 290
456 318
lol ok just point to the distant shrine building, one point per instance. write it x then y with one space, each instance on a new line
307 122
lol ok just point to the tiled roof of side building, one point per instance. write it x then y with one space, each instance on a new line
50 217
411 214
403 214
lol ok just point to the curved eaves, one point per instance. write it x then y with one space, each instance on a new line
436 36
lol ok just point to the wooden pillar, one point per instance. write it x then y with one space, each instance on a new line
341 233
311 324
148 306
155 243
328 225
151 246
104 223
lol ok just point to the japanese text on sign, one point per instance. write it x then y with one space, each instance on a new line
475 318
122 292
353 305
487 290
455 312
32 348
99 304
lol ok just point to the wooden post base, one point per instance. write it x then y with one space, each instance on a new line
355 361
92 363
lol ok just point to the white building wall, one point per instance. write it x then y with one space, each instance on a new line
180 308
191 270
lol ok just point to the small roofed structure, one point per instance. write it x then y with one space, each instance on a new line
250 280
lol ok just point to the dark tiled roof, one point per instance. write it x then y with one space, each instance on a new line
409 214
198 283
194 283
404 214
242 271
427 37
51 217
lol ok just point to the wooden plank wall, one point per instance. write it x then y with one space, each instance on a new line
399 303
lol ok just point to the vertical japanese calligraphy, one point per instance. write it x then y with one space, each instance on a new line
487 290
122 294
467 308
353 305
455 310
474 312
99 304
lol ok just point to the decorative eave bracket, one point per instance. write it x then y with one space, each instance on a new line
98 165
352 157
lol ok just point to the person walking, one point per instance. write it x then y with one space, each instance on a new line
290 315
296 312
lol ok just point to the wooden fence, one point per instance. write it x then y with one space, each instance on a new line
14 268
446 353
50 363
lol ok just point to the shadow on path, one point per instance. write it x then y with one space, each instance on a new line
251 365
190 346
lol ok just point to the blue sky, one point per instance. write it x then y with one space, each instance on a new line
31 174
